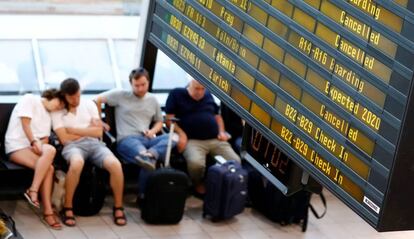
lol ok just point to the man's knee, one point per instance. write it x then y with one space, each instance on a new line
234 156
128 152
224 149
76 164
112 165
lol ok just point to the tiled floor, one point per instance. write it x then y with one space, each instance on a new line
339 223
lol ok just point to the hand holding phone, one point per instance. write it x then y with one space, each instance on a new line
148 134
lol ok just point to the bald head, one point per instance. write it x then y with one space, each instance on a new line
196 90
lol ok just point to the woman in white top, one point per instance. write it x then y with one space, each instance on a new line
26 143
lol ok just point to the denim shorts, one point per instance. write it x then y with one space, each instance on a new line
91 149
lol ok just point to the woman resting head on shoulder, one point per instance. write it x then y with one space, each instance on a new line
27 144
53 100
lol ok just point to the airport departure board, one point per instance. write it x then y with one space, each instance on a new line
329 82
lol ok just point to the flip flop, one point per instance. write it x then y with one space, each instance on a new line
34 203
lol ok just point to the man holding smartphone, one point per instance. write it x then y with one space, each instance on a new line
135 112
138 119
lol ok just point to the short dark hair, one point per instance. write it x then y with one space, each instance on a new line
51 94
137 73
69 86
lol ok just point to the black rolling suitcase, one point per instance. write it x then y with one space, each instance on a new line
226 190
165 193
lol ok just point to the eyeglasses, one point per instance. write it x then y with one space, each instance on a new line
140 70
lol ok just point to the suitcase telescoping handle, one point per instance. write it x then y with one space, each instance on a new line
230 163
170 139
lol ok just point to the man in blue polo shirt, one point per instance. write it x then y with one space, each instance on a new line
200 129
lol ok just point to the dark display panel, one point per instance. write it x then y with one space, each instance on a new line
274 164
328 82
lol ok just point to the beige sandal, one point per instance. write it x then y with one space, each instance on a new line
34 203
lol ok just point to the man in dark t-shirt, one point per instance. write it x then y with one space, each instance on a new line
200 129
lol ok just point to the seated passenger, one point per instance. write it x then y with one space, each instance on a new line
135 111
200 129
26 143
79 128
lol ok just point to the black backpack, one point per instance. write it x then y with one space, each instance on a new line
285 210
90 194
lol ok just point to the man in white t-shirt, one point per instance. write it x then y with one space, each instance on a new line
79 129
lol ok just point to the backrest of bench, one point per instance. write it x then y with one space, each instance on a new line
110 118
5 113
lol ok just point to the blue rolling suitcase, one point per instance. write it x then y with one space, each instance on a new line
226 190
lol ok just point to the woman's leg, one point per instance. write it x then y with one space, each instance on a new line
46 192
43 164
43 175
26 157
40 164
